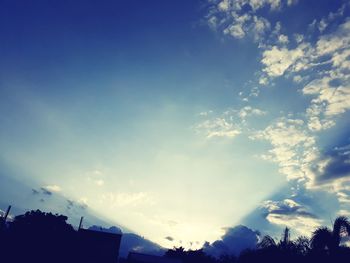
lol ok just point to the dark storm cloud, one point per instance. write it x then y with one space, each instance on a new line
286 207
235 240
333 165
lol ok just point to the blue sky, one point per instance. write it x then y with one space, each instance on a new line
177 118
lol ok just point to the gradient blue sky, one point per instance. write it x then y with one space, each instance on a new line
177 118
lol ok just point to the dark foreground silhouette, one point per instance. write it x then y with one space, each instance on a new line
324 246
44 237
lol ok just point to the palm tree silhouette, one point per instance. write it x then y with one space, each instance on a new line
302 245
285 242
325 239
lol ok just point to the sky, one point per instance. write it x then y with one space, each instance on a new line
177 119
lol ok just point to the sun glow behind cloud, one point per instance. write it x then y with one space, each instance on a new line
168 184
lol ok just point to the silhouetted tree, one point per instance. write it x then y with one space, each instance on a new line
176 252
302 245
285 243
189 255
267 242
325 239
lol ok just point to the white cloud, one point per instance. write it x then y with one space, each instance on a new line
293 148
235 31
224 5
248 111
330 43
230 123
297 78
286 128
218 127
263 80
344 212
240 23
329 100
298 38
322 25
260 27
324 22
283 39
277 60
343 197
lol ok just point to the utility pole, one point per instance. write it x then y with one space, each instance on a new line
81 223
3 220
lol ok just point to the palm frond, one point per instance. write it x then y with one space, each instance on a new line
267 242
341 224
302 245
322 238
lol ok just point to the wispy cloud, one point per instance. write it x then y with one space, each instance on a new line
248 111
96 177
127 199
229 123
218 127
293 148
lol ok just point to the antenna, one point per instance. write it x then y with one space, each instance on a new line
332 223
7 213
3 219
81 223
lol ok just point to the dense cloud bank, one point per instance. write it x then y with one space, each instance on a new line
235 240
